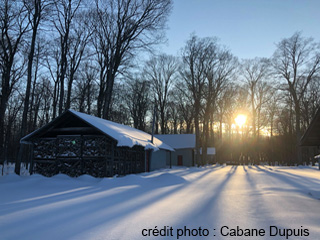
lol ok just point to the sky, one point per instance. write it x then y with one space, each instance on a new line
249 28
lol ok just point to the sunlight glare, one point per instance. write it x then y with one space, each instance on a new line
240 120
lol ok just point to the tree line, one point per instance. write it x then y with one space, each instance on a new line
82 54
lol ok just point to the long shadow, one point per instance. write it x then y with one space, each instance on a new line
194 170
83 203
244 169
258 193
301 178
69 192
210 202
279 208
286 179
88 205
18 205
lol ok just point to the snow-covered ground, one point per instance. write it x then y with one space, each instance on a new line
8 168
177 202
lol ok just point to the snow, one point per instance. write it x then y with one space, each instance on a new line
125 135
178 141
254 197
8 168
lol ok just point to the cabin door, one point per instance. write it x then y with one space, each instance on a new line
180 162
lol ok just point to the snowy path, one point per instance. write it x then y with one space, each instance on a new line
217 198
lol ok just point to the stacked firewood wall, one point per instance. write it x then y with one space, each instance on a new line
75 155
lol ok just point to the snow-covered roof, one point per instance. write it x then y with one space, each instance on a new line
124 135
179 141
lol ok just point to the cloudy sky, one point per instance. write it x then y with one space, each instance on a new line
249 28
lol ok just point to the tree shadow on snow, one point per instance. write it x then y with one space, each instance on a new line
300 184
207 203
100 203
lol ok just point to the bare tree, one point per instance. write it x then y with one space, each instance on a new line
272 110
120 111
221 69
36 73
52 58
161 71
43 97
122 27
173 115
254 72
13 26
297 61
185 107
65 11
225 108
286 141
195 57
264 95
86 87
229 103
11 134
310 102
79 38
35 9
138 102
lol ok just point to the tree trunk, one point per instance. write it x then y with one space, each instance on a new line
100 96
298 133
220 123
206 136
4 97
253 112
63 68
197 129
108 96
61 97
36 20
89 99
2 115
55 99
68 102
163 120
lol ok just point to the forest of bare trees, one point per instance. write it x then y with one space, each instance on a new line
86 55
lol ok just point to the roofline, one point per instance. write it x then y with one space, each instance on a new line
307 132
30 135
124 126
173 150
92 125
25 139
176 148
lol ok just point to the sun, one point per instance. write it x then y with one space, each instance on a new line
240 120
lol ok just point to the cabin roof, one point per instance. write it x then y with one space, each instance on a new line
125 136
179 141
312 135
